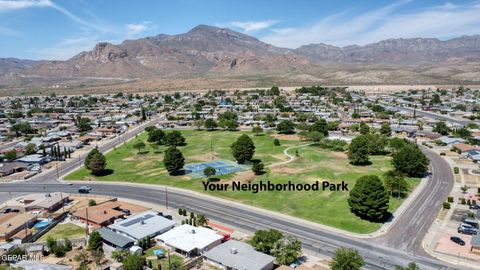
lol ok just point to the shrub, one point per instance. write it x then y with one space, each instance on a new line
450 199
456 170
469 202
276 142
443 154
446 205
463 201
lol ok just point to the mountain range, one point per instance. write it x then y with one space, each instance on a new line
220 52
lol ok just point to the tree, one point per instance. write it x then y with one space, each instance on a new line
386 130
410 161
264 240
358 151
243 149
368 198
10 155
139 145
82 258
67 244
156 136
286 127
364 128
174 138
287 250
442 128
22 128
320 126
463 133
120 254
30 149
83 125
175 265
173 160
144 115
276 142
94 241
209 172
395 182
346 259
92 202
198 123
95 161
202 220
257 130
257 168
210 124
314 136
410 266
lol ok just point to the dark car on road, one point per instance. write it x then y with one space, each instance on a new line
467 230
474 206
84 189
457 240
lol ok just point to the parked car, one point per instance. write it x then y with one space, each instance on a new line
474 206
467 229
457 240
472 222
84 189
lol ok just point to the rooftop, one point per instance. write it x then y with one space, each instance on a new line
238 255
143 224
188 238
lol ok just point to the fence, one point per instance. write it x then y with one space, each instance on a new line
34 237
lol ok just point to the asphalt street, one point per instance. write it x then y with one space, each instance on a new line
407 233
399 246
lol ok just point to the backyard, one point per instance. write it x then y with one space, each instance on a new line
62 231
313 163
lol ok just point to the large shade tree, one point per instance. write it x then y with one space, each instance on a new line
369 199
243 149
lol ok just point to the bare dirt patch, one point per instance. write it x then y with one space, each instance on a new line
289 137
339 155
243 176
286 170
203 157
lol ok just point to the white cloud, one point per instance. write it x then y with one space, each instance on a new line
136 28
8 5
252 26
444 21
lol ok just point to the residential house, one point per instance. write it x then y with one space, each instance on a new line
189 240
236 255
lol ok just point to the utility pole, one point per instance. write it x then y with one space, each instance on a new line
56 166
86 227
166 197
63 204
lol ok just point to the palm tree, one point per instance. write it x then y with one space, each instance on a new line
202 220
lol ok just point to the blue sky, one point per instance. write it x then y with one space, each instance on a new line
59 29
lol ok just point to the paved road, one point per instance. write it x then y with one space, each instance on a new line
314 239
436 116
398 247
408 232
68 166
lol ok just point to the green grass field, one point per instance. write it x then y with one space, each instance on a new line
61 231
325 207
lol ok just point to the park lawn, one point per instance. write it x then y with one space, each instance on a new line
62 231
314 163
325 207
126 164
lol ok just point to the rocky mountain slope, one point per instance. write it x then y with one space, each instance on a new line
207 52
8 65
412 51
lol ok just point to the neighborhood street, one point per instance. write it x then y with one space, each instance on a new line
397 246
